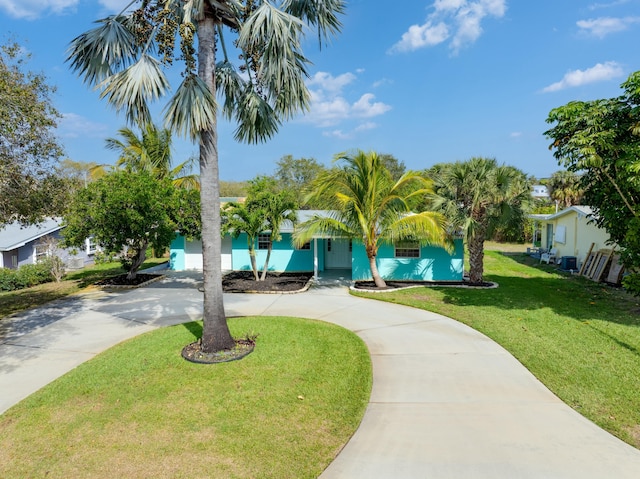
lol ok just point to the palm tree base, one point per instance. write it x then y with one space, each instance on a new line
193 352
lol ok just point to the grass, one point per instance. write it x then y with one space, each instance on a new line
15 301
580 338
140 411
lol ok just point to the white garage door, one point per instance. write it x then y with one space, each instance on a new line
225 258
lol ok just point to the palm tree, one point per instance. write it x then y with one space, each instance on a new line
369 206
151 152
477 196
244 218
565 188
277 208
118 57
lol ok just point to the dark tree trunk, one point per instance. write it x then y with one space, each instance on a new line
137 261
215 332
476 255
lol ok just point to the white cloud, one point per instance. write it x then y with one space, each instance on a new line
330 106
598 6
516 134
72 125
456 20
600 72
601 27
348 135
32 9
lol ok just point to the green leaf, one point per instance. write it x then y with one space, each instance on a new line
192 109
133 88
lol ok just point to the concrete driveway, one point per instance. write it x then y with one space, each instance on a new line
447 402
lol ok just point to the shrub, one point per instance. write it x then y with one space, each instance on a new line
33 274
8 280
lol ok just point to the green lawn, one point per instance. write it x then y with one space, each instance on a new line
15 301
141 411
580 338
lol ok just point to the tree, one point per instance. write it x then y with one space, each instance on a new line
276 207
297 175
565 188
151 152
369 206
233 189
601 140
244 218
396 167
265 209
477 196
265 90
127 210
29 150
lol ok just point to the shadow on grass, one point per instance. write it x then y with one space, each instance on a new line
568 295
195 328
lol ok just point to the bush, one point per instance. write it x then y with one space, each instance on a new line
25 276
33 274
8 280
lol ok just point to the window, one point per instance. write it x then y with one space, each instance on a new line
264 240
41 251
407 249
329 244
14 260
306 246
91 245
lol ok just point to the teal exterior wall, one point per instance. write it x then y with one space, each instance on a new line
284 257
434 264
176 253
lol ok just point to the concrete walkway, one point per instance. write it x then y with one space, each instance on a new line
447 402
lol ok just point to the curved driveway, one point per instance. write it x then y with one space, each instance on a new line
447 402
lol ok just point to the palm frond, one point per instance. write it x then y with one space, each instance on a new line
192 109
320 13
134 87
230 84
272 37
257 121
97 53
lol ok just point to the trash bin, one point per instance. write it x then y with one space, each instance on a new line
568 263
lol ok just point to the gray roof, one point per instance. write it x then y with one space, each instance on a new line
303 215
14 235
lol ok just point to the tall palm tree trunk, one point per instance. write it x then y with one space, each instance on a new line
215 333
476 255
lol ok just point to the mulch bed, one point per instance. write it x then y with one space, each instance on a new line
193 352
243 281
391 285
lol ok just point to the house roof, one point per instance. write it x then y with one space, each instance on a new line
303 215
581 210
14 235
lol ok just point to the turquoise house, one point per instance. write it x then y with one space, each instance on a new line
406 261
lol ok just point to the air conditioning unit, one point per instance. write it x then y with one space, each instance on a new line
568 263
75 263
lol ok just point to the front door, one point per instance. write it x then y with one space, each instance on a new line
337 253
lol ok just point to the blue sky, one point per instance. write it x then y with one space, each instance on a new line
432 81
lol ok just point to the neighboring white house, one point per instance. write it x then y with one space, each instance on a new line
21 245
540 191
571 232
